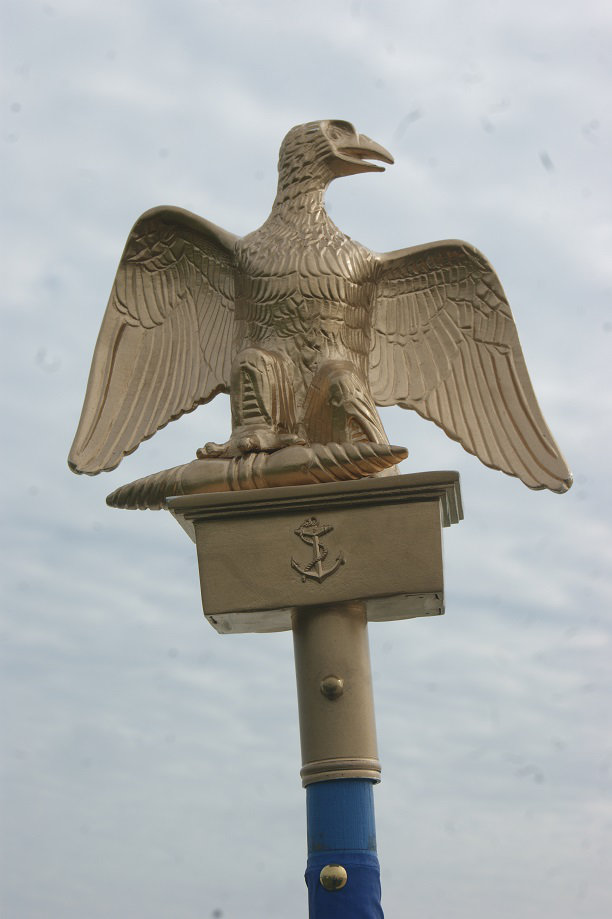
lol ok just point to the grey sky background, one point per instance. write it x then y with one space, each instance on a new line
150 766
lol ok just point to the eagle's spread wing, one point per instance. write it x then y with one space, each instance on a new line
166 339
445 344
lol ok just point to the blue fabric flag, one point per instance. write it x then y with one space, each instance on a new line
358 899
341 831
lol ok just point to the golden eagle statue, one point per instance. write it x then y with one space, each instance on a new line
308 331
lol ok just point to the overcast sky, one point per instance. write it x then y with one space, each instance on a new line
150 766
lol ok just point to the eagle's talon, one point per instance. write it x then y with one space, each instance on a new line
212 449
267 441
249 444
261 440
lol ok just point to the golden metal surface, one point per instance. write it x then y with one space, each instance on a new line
309 332
332 687
297 465
254 562
339 740
333 877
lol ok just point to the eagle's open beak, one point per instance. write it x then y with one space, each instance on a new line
358 155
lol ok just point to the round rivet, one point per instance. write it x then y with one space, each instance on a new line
332 687
333 877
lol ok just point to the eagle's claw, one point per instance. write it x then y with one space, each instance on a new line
259 440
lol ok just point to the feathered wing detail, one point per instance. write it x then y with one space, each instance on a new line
166 339
445 344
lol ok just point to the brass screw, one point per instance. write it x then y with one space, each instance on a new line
333 877
332 687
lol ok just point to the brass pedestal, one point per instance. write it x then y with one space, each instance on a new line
324 560
380 541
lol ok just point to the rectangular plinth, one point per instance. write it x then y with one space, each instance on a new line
264 552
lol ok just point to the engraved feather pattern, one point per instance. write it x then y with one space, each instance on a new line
308 331
445 344
304 289
166 340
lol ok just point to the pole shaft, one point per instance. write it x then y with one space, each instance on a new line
334 687
339 760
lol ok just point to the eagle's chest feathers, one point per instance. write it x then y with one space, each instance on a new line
305 289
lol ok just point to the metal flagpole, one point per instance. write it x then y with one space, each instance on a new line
377 556
339 759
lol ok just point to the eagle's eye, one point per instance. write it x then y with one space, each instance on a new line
338 129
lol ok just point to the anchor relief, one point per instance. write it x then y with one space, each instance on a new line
311 532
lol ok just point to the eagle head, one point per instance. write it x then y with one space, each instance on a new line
327 150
